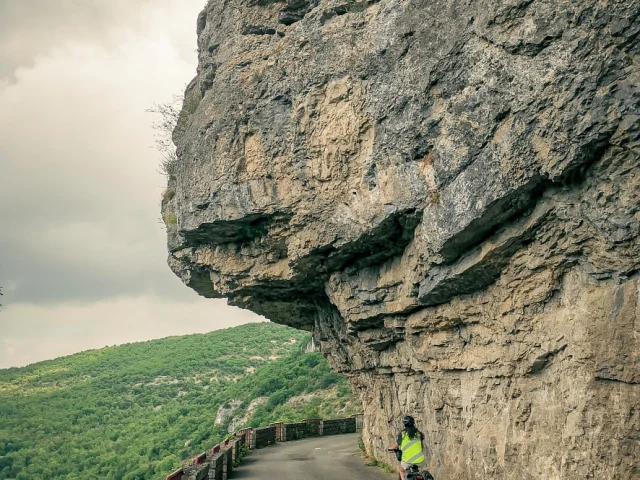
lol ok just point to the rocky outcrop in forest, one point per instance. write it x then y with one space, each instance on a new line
447 193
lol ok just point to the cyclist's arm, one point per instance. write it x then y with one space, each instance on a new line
396 445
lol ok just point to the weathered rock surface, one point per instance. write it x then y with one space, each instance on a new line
448 194
224 413
242 419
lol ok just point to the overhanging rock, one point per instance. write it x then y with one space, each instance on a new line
447 194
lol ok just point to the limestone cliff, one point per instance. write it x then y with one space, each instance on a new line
447 193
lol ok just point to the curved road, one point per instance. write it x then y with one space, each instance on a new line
322 458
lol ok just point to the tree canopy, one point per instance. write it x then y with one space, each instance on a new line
136 411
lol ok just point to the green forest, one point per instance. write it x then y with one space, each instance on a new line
136 411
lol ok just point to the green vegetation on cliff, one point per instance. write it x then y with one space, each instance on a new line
136 411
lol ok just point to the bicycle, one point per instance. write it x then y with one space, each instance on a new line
413 472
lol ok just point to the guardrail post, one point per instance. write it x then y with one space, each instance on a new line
235 446
216 466
279 427
227 464
359 421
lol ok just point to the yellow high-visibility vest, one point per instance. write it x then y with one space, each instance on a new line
412 449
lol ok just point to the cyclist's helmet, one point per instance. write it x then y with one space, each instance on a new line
408 421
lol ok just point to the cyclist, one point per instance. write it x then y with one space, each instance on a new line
409 442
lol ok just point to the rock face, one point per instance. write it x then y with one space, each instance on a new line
225 413
447 193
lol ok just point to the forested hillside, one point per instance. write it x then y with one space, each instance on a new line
135 411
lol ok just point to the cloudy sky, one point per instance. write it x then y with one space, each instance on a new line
82 251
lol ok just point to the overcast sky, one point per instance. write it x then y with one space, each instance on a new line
82 251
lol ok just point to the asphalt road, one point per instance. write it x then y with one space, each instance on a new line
325 458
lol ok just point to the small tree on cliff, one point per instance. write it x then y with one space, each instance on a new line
169 113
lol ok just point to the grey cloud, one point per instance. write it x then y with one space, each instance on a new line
37 278
78 177
29 28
